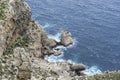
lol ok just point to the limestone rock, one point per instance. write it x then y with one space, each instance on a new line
66 38
77 67
46 50
50 42
57 52
24 74
21 54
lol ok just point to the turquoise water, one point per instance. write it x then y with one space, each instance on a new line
95 25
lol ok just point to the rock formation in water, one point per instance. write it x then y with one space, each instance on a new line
66 38
24 45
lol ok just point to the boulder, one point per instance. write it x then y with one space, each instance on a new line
50 43
66 38
24 71
57 52
77 67
47 51
24 74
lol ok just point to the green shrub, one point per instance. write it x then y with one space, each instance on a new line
21 43
2 8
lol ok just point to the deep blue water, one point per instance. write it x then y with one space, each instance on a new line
95 24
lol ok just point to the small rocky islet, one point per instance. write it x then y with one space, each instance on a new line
24 46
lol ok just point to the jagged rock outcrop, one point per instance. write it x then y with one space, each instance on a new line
76 68
66 38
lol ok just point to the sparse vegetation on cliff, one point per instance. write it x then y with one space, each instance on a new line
114 75
3 5
21 43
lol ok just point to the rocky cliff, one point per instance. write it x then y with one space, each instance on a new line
24 46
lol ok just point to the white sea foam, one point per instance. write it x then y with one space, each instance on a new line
47 25
56 36
74 43
92 71
53 58
89 71
58 59
62 48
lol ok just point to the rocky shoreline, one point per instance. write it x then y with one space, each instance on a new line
24 45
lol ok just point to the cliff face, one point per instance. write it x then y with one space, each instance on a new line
24 45
15 19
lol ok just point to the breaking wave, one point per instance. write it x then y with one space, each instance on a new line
47 25
74 43
92 70
56 36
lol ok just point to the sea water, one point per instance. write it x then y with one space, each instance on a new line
94 24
